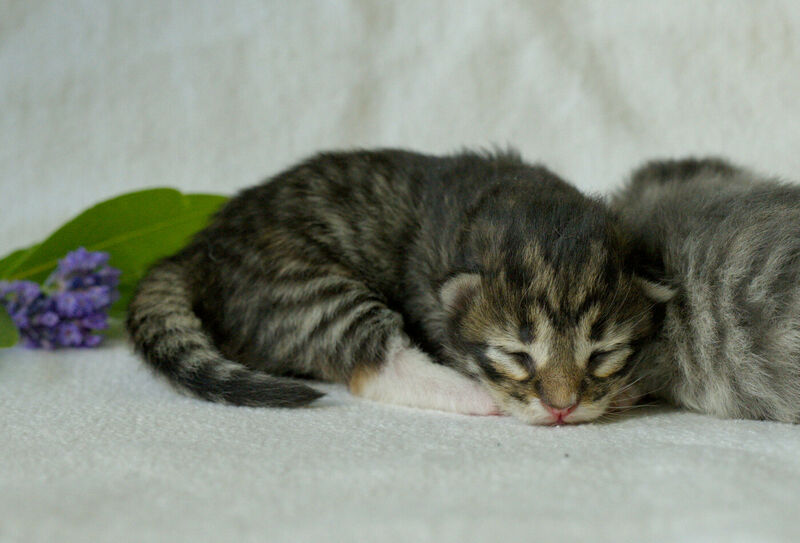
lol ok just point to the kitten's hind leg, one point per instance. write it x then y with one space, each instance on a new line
331 326
407 376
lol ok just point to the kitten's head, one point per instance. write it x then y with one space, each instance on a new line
552 337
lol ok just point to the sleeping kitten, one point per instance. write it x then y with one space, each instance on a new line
729 243
470 283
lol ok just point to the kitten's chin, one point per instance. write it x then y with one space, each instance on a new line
534 413
587 412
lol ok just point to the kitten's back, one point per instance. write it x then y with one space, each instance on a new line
728 240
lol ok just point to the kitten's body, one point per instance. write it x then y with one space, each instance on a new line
729 243
397 273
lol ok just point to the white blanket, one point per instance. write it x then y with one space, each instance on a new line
102 97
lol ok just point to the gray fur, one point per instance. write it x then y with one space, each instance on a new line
728 241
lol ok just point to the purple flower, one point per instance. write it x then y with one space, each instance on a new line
81 261
95 321
99 296
19 293
67 303
77 303
49 319
21 299
72 306
69 334
91 340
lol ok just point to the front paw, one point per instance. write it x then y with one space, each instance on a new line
409 377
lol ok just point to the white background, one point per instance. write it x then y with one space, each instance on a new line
102 97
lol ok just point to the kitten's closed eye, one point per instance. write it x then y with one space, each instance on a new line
524 359
516 365
605 363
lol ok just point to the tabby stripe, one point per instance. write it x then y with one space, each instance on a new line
171 342
308 325
378 317
313 291
159 294
554 317
370 347
346 328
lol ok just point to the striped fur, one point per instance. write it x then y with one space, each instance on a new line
166 330
728 241
413 279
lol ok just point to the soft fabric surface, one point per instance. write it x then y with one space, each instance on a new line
98 98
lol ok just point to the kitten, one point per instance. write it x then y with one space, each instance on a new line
467 283
728 241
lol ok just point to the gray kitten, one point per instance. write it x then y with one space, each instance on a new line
728 242
473 283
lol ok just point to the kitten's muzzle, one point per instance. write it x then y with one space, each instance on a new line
559 414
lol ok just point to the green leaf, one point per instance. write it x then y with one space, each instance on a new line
12 260
136 229
8 332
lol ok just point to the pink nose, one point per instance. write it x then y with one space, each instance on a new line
560 414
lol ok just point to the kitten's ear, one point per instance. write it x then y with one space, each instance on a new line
658 292
459 288
647 267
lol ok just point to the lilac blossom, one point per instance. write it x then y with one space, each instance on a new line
70 308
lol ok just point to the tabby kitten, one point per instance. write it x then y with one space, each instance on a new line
470 283
728 241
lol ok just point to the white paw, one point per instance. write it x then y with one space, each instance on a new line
409 377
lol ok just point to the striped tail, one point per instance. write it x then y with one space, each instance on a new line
169 335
